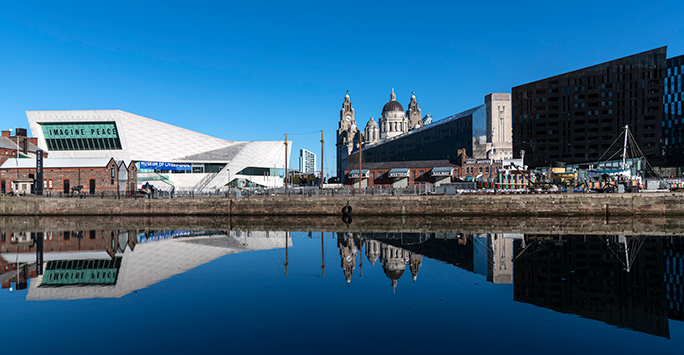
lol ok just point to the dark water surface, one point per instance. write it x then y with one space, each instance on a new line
189 291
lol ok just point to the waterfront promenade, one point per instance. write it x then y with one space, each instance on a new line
638 204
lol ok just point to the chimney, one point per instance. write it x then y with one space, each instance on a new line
6 134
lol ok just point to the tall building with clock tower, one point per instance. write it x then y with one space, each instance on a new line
393 122
347 132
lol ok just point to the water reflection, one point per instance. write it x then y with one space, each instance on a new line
634 282
106 264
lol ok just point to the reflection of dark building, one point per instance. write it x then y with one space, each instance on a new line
451 248
576 116
673 249
588 276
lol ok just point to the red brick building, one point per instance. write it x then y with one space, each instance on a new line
402 173
11 145
61 176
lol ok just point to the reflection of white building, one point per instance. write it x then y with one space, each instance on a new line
493 257
394 260
170 156
100 276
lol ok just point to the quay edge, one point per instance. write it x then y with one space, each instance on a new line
641 204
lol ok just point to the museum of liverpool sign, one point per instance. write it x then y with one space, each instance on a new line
158 165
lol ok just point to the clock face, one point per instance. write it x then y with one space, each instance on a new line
348 118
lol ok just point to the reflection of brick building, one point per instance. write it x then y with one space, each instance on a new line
587 276
673 249
109 241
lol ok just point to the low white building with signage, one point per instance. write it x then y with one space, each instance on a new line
167 156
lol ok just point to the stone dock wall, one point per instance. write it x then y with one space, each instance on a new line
645 204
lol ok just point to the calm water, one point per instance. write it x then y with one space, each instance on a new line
120 291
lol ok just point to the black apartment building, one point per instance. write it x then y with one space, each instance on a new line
575 117
673 120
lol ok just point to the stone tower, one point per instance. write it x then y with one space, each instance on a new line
372 133
499 125
413 114
346 133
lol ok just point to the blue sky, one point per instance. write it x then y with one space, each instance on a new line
257 70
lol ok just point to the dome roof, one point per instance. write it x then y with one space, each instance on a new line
393 105
372 123
393 274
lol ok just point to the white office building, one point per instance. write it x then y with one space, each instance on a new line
170 157
307 162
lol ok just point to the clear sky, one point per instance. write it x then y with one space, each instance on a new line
255 70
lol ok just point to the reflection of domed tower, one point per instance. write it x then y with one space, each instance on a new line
345 242
346 133
372 132
413 114
372 251
415 261
393 262
393 121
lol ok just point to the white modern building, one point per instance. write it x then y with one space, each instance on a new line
307 161
170 157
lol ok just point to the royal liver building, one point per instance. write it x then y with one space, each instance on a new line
483 132
393 122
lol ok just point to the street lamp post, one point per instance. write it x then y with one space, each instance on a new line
16 155
360 158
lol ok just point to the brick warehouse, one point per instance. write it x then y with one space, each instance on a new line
61 176
19 143
403 173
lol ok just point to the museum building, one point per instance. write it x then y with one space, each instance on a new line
169 157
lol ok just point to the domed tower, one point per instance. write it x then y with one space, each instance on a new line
372 133
372 251
346 114
393 262
415 261
413 114
345 242
393 121
346 133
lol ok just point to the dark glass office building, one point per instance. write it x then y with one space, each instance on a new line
438 141
673 120
576 117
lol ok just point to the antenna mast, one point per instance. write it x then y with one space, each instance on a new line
624 147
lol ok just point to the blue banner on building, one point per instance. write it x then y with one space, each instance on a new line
157 165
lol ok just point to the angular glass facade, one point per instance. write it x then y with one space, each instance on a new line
438 141
81 136
673 120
